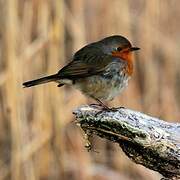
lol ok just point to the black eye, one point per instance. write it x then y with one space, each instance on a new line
119 48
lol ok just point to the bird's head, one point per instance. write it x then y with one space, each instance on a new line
118 46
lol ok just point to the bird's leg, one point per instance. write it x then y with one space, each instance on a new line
101 104
105 107
108 108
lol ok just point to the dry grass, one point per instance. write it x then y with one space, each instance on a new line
37 37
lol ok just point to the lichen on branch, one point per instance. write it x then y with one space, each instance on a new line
146 140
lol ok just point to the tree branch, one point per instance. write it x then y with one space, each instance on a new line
146 140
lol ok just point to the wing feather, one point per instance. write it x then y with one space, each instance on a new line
85 67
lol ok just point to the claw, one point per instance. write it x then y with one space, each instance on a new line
116 109
104 107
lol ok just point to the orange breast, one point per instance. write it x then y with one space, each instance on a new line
126 56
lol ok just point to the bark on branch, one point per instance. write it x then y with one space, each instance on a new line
146 140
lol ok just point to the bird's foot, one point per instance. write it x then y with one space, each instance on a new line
116 108
103 107
96 105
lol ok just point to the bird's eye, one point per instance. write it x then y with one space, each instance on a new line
119 48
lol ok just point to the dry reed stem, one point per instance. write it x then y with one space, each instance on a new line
38 38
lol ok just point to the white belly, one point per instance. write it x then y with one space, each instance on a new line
102 88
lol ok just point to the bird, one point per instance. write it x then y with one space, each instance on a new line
100 70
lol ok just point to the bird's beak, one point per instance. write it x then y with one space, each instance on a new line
134 48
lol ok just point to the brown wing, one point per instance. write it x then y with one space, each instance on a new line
89 65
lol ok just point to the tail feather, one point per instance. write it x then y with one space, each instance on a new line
41 80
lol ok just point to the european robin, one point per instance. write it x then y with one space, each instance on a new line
101 70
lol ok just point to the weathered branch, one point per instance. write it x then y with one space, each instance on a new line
146 140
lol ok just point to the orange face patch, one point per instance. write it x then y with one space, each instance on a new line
125 55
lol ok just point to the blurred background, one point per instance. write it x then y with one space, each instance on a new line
38 139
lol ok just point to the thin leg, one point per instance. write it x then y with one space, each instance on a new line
108 108
102 104
104 107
